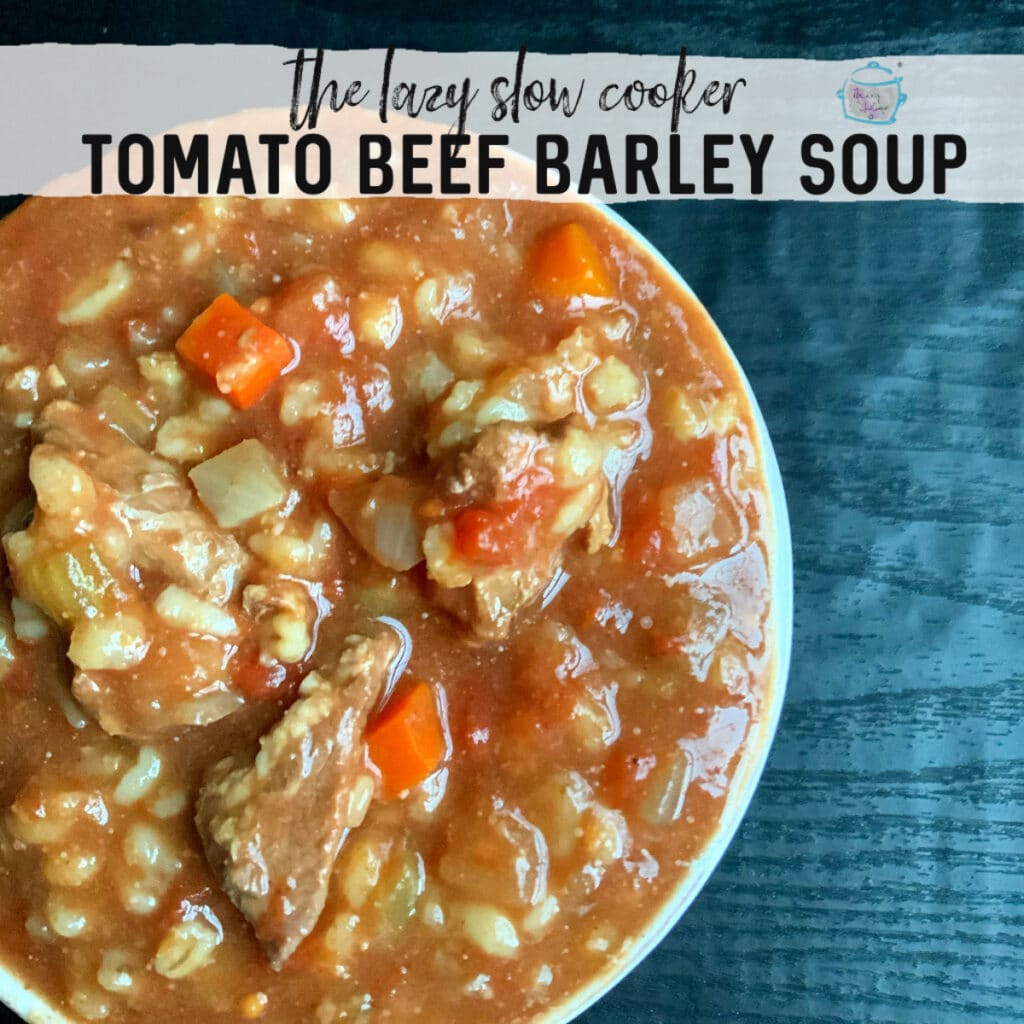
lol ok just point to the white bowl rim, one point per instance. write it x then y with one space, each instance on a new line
34 1008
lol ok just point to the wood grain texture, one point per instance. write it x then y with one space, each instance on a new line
842 29
879 875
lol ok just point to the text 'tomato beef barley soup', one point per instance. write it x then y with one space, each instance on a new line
386 609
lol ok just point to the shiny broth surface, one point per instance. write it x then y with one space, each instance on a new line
457 507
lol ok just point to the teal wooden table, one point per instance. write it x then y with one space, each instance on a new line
879 875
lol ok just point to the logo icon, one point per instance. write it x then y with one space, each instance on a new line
872 94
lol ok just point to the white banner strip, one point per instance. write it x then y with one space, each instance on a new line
269 121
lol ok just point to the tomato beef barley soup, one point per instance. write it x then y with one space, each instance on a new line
386 603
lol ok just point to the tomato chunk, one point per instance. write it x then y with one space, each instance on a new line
256 681
489 535
498 533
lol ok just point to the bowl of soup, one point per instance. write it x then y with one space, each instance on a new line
397 613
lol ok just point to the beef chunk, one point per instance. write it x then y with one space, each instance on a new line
121 554
540 487
490 603
169 531
489 469
272 826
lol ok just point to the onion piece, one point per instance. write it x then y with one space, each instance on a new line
382 517
239 484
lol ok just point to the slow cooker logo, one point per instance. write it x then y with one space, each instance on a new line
872 94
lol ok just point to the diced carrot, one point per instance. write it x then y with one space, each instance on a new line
565 262
236 351
406 742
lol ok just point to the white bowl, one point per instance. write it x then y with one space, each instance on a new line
33 1008
27 1004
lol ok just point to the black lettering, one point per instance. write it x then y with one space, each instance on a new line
381 163
411 162
562 99
385 86
558 98
450 161
817 163
604 100
676 185
548 161
597 164
518 88
638 166
634 96
300 62
96 144
144 145
892 165
713 162
236 166
850 182
181 164
312 112
464 101
756 156
273 144
658 95
354 93
487 162
944 163
307 186
683 84
500 108
729 91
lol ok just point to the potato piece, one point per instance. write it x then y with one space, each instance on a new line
428 377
